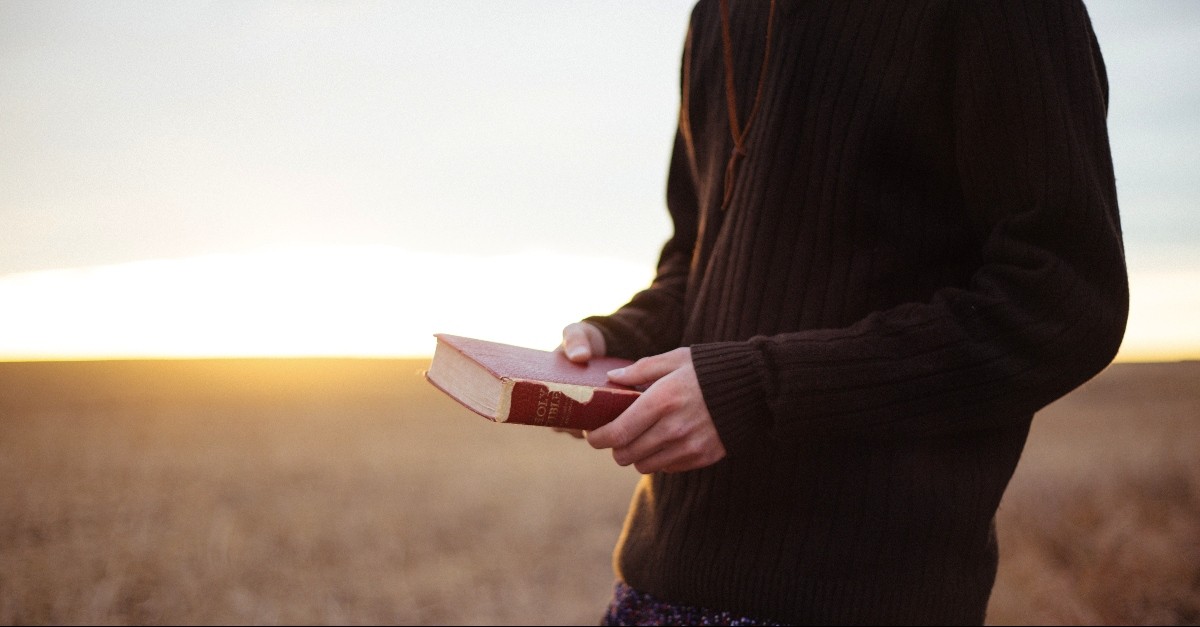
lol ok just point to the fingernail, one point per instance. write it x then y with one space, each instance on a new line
616 372
575 351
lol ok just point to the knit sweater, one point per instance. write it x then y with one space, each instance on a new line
921 250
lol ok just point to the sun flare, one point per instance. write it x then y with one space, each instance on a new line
356 301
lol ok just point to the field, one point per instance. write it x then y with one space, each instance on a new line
349 491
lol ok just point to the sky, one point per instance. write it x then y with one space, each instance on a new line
350 177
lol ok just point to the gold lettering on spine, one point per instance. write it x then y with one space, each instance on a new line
552 415
543 406
553 408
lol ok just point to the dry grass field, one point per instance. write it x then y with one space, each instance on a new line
349 491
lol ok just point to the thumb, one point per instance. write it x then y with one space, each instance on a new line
650 369
582 341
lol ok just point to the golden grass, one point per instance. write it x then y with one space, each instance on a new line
1101 524
349 491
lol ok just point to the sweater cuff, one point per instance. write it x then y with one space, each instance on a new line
728 373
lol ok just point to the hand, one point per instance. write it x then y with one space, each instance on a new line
668 428
581 342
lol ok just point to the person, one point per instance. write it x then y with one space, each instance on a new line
895 238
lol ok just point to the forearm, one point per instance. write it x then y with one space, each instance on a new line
1044 304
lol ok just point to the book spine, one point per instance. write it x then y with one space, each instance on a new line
536 403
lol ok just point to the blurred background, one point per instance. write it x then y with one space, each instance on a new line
319 178
228 231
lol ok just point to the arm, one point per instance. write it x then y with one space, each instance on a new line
1044 311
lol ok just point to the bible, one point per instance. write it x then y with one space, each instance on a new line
513 384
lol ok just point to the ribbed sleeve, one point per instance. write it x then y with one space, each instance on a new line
733 391
922 249
1044 309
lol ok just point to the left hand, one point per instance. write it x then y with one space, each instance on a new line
668 428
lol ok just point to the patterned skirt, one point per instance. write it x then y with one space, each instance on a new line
630 607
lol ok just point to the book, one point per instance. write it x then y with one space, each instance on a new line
514 384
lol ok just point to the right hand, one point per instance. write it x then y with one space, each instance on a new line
581 342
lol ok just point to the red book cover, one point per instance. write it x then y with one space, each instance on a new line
521 385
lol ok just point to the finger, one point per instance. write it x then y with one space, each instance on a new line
658 461
650 369
659 401
575 343
668 423
627 427
663 434
575 433
667 460
682 455
582 341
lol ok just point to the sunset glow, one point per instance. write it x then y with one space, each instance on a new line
386 302
1163 312
354 301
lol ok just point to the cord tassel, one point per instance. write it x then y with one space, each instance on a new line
736 130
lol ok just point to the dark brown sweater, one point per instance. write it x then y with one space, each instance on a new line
922 249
